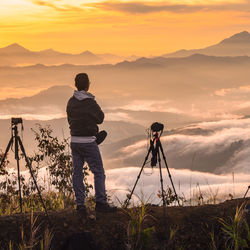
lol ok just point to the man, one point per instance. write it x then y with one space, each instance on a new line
83 116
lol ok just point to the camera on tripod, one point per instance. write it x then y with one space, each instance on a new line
157 151
157 127
16 121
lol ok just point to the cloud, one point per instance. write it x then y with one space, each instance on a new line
216 147
58 7
149 105
140 7
41 117
150 7
117 116
242 91
187 183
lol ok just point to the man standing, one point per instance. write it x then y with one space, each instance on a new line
83 115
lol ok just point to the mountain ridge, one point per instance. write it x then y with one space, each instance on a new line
17 54
232 46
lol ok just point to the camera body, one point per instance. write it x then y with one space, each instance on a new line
16 120
156 127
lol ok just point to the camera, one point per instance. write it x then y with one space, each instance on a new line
156 127
15 121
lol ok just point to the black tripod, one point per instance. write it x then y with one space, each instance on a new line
15 138
246 192
155 148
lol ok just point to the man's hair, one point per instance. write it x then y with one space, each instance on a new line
81 81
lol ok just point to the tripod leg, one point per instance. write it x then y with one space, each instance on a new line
6 151
161 179
33 177
138 177
170 177
246 192
18 173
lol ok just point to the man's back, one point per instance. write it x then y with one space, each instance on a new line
83 114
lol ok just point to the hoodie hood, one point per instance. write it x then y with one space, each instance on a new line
81 95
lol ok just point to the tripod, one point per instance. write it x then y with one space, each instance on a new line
155 150
246 192
15 138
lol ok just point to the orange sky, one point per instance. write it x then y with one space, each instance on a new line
121 27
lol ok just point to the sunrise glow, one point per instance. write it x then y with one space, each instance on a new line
121 27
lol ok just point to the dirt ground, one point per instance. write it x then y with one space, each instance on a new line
194 226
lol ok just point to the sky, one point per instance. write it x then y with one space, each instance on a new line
122 27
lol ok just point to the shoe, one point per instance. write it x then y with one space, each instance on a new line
104 208
100 137
81 210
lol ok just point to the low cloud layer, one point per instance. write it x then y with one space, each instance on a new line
188 184
210 158
216 147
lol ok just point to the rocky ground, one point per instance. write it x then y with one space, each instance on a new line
194 227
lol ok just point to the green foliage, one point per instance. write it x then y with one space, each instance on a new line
138 236
237 230
56 156
169 196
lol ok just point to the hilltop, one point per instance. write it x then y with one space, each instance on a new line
191 227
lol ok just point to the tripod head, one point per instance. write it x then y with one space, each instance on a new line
14 122
157 127
156 131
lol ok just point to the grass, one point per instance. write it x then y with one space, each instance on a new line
53 201
138 236
33 238
236 230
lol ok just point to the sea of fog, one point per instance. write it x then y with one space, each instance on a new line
208 158
188 184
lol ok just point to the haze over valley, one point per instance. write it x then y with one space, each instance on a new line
201 96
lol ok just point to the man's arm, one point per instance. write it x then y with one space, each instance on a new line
97 113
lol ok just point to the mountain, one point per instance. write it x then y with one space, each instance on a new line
191 60
181 85
14 55
236 45
13 49
51 103
47 102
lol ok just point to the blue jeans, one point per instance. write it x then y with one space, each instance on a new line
90 153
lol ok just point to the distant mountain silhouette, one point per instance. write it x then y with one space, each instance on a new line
243 37
14 49
191 60
236 45
55 96
14 55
